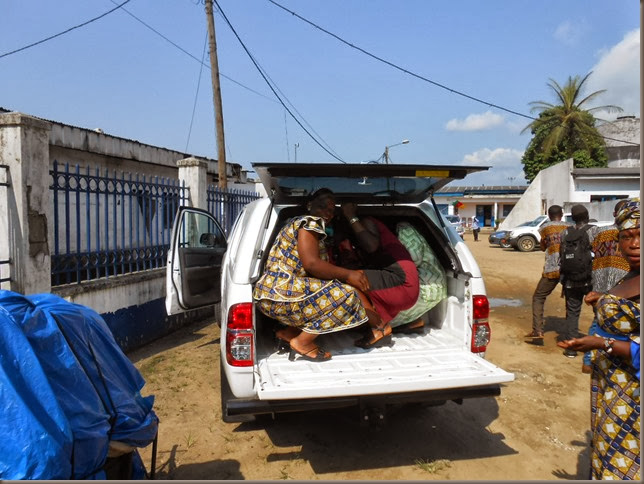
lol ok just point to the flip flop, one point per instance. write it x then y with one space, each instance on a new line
409 329
320 356
367 341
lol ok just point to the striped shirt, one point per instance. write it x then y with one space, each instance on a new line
609 265
550 234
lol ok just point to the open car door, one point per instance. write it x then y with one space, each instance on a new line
193 273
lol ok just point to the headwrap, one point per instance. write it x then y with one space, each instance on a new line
628 216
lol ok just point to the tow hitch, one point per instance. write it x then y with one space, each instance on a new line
372 414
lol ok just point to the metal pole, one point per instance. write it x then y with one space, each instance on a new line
216 97
386 155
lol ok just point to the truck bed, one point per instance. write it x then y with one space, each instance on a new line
437 359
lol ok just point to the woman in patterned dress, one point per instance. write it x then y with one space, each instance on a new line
301 289
615 380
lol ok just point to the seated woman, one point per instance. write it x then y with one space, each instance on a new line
390 270
303 290
615 374
433 284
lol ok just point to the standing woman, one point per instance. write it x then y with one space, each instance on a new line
615 384
302 290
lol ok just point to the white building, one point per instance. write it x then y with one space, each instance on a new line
596 188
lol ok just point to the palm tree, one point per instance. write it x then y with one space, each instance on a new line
568 126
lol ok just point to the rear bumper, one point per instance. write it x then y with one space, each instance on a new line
236 410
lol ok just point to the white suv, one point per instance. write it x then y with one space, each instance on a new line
445 363
527 238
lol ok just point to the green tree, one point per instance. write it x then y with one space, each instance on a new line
565 130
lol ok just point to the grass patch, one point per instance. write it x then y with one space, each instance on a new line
150 367
189 440
433 466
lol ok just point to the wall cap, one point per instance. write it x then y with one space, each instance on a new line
192 161
19 119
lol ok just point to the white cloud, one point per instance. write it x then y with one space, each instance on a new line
618 71
505 167
569 33
475 122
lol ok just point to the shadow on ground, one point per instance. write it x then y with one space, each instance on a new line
333 441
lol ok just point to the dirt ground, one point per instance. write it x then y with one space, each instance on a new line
538 428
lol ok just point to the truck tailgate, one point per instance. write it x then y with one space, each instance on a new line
433 361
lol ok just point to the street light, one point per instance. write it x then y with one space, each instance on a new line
386 153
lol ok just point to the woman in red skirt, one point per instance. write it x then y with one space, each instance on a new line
392 274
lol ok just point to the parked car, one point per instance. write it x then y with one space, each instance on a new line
502 237
445 363
457 223
526 237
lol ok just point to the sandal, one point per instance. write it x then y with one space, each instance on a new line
282 345
415 327
367 341
534 334
321 355
534 338
283 341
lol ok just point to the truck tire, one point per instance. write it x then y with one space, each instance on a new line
526 243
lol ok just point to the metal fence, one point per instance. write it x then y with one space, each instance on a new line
225 205
5 261
108 225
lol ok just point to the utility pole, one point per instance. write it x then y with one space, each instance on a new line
216 98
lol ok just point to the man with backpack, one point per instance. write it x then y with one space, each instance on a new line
576 259
550 234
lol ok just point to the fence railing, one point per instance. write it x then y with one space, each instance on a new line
5 261
225 205
107 225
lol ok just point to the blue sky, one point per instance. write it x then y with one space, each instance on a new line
118 75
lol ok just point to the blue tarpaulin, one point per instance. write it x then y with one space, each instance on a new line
89 379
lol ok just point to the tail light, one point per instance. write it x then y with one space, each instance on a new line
239 335
481 327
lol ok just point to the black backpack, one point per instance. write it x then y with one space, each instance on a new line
576 255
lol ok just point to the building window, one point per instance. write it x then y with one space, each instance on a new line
507 208
607 198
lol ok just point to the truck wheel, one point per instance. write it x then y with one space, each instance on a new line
526 244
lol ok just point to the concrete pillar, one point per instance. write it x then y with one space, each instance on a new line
24 149
193 172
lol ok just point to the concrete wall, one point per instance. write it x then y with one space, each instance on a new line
131 304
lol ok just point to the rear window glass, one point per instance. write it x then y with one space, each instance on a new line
374 186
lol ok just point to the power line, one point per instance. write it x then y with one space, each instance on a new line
192 56
395 66
194 106
418 76
64 32
298 113
260 70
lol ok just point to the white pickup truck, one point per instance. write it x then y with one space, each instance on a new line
445 362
